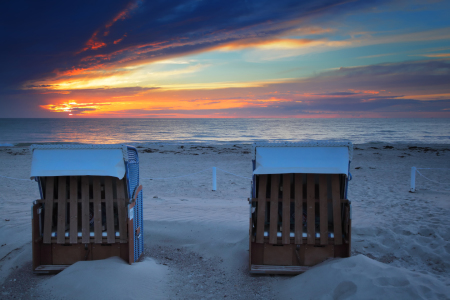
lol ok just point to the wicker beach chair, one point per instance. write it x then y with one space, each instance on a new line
90 206
299 211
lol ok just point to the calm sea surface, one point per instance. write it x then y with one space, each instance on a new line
216 131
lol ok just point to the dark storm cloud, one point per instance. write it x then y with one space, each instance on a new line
40 38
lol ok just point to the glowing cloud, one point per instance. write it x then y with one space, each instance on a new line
75 108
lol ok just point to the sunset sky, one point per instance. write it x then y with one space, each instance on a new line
234 58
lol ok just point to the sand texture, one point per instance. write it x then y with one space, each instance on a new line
196 239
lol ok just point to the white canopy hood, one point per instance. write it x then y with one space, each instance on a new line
309 157
78 160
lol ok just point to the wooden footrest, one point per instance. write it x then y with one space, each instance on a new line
50 269
266 269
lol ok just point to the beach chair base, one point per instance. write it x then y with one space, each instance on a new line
298 221
50 269
53 258
282 270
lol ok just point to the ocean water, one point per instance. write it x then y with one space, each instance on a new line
217 131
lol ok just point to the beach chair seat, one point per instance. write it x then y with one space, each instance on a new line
299 211
90 206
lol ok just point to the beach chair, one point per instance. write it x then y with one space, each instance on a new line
299 211
90 206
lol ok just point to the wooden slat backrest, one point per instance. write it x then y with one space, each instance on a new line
121 209
73 233
285 235
85 225
48 217
310 209
78 196
273 208
322 201
298 222
61 229
109 210
335 195
97 196
261 213
323 209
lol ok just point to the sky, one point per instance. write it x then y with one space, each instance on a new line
225 59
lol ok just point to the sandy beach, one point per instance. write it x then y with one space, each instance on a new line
196 239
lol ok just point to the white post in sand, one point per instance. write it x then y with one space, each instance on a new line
214 179
413 179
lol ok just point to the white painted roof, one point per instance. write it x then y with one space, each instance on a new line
78 160
311 157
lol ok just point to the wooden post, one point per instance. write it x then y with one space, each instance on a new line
413 180
214 179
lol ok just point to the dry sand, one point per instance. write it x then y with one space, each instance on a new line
196 240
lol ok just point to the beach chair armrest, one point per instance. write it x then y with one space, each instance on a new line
136 193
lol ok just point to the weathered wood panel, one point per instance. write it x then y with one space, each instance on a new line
109 210
298 182
335 195
62 201
323 209
121 209
85 225
311 209
285 237
73 232
261 214
48 213
274 209
97 209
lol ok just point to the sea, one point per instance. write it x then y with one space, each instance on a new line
222 131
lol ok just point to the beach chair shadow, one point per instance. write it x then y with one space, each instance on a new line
90 206
299 211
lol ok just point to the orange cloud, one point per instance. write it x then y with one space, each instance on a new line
95 43
119 40
364 92
428 97
73 107
310 30
114 103
436 55
268 44
121 16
